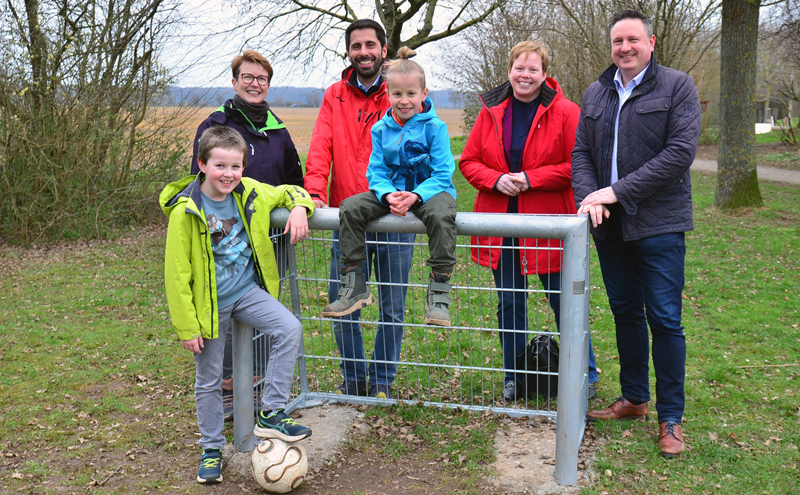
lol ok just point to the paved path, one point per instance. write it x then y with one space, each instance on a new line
764 173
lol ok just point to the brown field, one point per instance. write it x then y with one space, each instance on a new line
299 122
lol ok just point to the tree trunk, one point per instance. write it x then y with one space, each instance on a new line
737 181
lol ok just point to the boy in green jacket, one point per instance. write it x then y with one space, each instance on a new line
221 218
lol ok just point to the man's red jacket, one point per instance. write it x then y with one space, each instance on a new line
341 142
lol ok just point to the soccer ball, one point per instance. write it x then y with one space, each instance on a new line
279 467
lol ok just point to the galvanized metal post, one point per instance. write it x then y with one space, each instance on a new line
572 372
243 439
294 289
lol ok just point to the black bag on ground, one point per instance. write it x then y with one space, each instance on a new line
541 355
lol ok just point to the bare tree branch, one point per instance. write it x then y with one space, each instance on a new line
302 31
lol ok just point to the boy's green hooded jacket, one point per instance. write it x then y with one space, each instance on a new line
189 263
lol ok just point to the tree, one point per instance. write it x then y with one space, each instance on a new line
737 180
683 29
314 98
78 77
789 39
771 68
301 30
478 58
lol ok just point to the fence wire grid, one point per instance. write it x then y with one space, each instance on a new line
460 365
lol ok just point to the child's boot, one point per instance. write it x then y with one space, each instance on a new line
437 310
353 293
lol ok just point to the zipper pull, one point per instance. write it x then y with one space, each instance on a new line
359 115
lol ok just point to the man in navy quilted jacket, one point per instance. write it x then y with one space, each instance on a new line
636 139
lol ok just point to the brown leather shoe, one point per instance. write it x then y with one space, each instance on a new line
620 409
670 439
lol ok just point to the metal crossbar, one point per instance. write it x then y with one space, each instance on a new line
459 366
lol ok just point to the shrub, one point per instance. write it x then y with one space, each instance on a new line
75 159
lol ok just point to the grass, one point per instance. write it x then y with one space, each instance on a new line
458 441
770 137
93 381
457 145
741 316
710 135
784 159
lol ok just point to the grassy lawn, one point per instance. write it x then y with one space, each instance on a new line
742 420
711 135
93 384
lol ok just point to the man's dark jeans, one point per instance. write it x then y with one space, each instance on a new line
644 281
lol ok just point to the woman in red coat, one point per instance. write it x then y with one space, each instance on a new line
518 157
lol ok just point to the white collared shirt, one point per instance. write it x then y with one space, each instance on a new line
624 94
366 88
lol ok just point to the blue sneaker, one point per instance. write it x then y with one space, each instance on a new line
210 467
278 424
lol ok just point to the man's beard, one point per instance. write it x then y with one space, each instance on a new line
369 72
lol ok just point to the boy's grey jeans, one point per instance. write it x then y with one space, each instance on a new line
265 314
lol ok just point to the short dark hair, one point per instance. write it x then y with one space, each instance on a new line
365 24
254 57
631 14
223 137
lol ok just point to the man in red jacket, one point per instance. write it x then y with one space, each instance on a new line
340 148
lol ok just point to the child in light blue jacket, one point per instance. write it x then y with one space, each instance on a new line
410 169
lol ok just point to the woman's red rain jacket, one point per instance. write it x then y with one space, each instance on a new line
546 161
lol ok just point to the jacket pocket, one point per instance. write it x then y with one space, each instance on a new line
650 120
591 112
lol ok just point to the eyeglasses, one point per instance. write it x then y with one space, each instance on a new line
248 79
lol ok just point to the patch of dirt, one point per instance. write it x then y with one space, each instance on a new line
526 455
525 460
342 460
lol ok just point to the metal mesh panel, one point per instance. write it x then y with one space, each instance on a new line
460 365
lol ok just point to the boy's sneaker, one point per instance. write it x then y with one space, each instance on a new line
352 387
437 310
210 467
592 391
278 424
380 391
353 293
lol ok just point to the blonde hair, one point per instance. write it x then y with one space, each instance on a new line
525 47
402 65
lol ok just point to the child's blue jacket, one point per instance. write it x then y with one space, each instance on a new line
413 158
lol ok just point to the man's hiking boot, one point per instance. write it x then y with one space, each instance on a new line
353 293
437 310
352 387
380 391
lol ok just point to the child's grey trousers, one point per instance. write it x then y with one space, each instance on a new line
265 314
